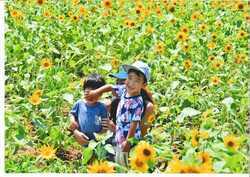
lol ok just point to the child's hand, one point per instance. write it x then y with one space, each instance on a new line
125 146
91 94
108 124
73 125
81 138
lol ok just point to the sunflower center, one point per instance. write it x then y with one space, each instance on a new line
101 171
40 2
146 152
204 159
230 143
46 64
171 9
240 6
139 163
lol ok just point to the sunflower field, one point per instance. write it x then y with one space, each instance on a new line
198 54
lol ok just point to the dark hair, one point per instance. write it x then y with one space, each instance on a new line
94 81
138 73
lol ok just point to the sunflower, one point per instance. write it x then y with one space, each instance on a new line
204 157
205 168
16 14
70 13
75 18
130 23
83 11
61 17
241 34
211 58
40 2
214 36
138 10
107 3
240 58
115 63
185 47
239 5
203 27
217 64
171 8
160 47
37 92
228 48
46 63
246 16
101 167
184 29
35 100
187 64
176 166
145 151
158 11
204 134
150 29
195 15
173 21
47 14
47 152
75 2
218 23
211 45
137 164
215 80
182 36
190 169
194 137
231 142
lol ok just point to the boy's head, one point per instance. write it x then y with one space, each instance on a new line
92 82
121 76
138 76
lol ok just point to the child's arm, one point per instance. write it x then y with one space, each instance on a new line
73 123
131 133
97 92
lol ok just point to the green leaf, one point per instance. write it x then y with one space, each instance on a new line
218 166
68 97
228 101
187 112
109 148
87 154
20 132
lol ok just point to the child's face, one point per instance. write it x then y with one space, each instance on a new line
120 81
92 100
134 83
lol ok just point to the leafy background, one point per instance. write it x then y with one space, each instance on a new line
81 37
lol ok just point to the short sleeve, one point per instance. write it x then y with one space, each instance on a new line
137 112
74 111
119 89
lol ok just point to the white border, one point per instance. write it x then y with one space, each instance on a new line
2 171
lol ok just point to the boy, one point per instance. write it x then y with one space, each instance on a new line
86 115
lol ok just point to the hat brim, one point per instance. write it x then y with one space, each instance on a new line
119 75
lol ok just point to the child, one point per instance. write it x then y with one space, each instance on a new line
86 115
120 77
130 108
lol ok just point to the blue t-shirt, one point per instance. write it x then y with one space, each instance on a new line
129 109
89 117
